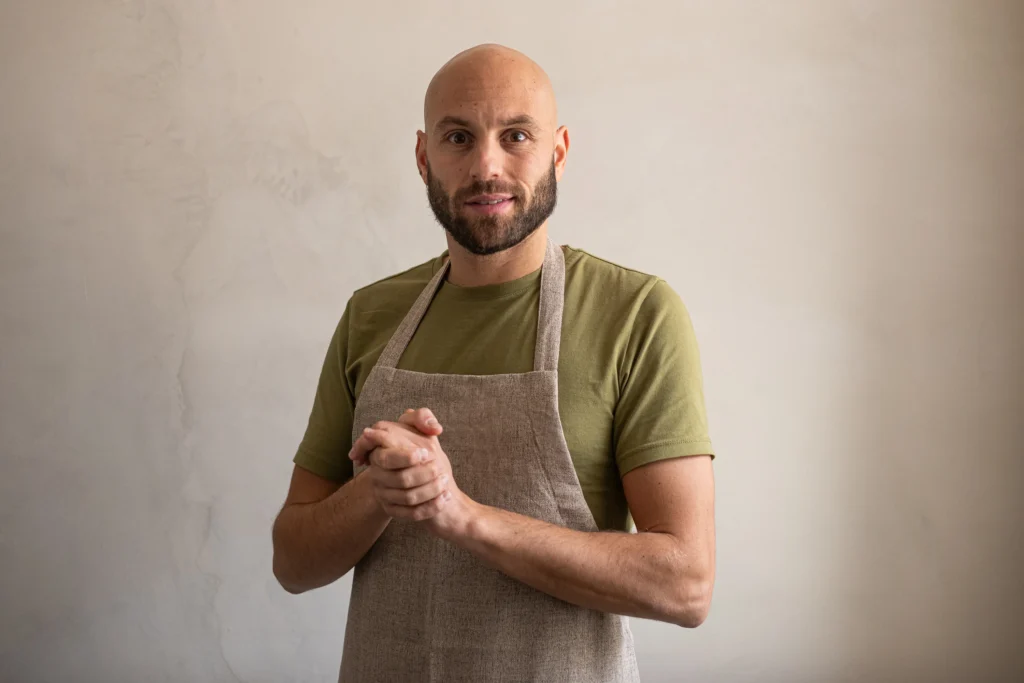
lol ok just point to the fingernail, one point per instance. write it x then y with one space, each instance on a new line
433 423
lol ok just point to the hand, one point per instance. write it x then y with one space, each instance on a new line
421 420
411 475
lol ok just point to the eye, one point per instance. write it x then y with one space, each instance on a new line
457 137
518 136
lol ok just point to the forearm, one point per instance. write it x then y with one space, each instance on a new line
317 543
647 575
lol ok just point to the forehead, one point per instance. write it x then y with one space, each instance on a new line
488 99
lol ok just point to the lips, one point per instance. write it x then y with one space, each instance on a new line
489 199
490 204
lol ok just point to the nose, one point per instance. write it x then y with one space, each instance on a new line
488 158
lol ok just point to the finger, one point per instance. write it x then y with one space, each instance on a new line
407 478
418 513
423 420
361 448
414 496
399 458
372 437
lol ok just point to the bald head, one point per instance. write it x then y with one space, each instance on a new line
489 75
491 151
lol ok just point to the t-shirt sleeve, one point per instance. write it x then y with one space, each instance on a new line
325 445
660 412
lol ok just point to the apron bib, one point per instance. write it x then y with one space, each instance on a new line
423 609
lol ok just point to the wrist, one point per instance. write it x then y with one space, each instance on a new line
466 522
373 507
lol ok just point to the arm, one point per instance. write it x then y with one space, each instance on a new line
323 530
664 572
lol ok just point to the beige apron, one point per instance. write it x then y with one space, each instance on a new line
423 609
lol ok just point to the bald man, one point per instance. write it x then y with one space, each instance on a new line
488 426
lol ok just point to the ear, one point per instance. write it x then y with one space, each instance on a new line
421 155
561 151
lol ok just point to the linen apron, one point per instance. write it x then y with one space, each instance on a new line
423 609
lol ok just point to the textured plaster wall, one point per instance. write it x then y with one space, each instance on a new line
190 190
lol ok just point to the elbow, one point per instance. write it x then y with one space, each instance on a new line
692 601
283 577
293 588
692 615
284 570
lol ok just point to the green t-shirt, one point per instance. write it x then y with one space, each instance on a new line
629 379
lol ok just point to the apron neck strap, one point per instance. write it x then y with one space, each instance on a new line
549 313
549 310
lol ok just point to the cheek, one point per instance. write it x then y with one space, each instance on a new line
441 179
532 166
451 176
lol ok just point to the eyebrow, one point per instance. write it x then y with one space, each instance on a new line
451 121
519 120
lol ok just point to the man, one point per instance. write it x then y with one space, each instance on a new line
487 422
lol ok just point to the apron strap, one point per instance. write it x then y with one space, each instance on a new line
549 313
403 335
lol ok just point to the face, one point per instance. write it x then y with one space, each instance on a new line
488 217
491 163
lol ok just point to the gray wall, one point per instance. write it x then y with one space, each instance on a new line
190 190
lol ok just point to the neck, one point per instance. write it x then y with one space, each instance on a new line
470 270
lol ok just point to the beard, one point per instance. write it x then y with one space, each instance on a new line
483 235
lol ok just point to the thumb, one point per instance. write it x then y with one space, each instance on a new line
423 420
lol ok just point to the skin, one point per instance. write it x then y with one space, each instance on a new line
474 109
490 116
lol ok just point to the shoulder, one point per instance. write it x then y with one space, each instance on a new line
585 264
597 283
394 293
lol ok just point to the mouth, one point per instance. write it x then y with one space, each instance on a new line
488 204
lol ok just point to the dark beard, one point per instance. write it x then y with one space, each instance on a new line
491 234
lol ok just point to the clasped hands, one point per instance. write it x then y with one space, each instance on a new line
411 476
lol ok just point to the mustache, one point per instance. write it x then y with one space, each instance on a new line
490 187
